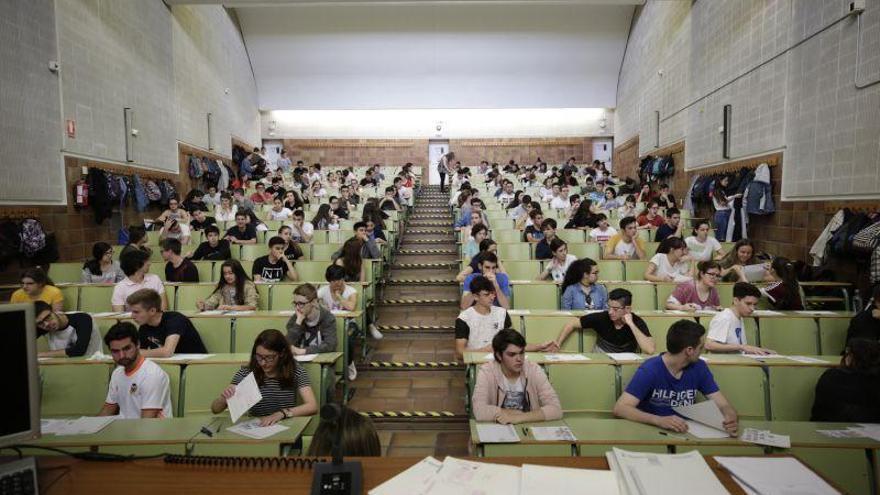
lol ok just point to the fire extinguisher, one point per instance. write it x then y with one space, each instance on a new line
81 194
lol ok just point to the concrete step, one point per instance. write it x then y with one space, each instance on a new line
438 390
445 257
422 273
399 265
433 314
423 251
424 291
418 302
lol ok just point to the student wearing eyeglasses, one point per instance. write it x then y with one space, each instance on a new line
700 293
618 329
279 378
312 328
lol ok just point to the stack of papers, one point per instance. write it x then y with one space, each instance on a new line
491 433
411 481
774 475
765 437
86 425
705 420
624 356
644 473
305 358
252 429
541 480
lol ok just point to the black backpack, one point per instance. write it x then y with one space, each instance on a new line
841 240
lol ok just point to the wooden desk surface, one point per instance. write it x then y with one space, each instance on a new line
125 432
153 477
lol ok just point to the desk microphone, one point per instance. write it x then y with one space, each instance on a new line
337 477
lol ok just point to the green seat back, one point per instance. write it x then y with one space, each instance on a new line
799 336
651 249
324 252
247 329
158 269
635 269
250 252
203 382
659 327
71 297
506 236
312 271
95 298
175 372
792 390
216 333
572 236
725 294
745 387
610 269
535 296
643 296
206 270
189 294
522 269
543 328
664 290
832 335
585 250
62 273
73 389
585 387
514 251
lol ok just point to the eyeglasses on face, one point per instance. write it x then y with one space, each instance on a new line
301 304
265 358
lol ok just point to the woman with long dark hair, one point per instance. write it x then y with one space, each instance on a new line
234 292
784 291
279 378
351 260
851 392
101 268
323 218
580 289
583 217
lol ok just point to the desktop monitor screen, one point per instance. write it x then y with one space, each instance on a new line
18 366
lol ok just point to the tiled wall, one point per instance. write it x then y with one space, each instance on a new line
553 151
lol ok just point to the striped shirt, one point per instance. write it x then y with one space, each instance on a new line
275 398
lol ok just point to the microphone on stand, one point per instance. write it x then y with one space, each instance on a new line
337 477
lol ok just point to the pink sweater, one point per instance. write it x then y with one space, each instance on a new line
489 392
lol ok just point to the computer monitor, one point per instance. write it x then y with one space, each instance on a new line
18 367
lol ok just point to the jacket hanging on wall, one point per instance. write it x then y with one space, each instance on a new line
99 195
818 251
139 194
760 192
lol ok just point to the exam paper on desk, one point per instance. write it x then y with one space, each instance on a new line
252 429
490 433
775 475
541 480
413 481
460 477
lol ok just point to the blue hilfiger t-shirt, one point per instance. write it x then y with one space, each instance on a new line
658 391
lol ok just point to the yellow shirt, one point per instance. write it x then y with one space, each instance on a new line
50 294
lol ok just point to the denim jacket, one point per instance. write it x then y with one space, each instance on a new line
574 297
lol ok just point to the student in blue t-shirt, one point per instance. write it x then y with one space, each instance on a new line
673 379
488 269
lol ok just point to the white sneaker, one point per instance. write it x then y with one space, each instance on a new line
374 332
352 371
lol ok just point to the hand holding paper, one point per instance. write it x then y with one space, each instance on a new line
247 393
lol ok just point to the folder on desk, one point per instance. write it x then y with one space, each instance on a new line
775 475
645 473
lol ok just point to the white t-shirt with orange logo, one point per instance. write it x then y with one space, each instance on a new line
144 388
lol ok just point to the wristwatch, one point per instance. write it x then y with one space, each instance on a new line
284 414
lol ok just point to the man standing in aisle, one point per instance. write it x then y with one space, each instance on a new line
443 168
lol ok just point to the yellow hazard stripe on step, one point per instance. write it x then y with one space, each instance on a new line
407 414
419 301
413 364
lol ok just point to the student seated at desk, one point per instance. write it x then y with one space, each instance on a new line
473 266
359 436
101 269
866 323
625 245
670 263
177 268
279 378
234 292
727 331
617 329
312 328
477 324
137 240
673 379
243 232
213 249
783 291
512 389
139 388
36 286
555 267
543 250
471 247
274 267
851 393
499 281
136 266
162 333
68 334
698 294
580 289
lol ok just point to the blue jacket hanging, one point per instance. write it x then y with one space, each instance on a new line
139 194
759 200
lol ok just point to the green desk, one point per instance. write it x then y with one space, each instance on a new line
528 445
180 436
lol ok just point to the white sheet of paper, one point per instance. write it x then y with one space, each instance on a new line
705 412
99 356
247 393
706 312
541 480
565 357
765 356
489 433
766 312
458 477
412 481
287 312
239 313
675 312
647 473
86 425
553 433
754 273
53 426
808 360
776 475
518 312
488 357
848 433
185 357
868 430
104 314
700 430
624 356
305 358
212 312
125 315
765 437
816 313
252 429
